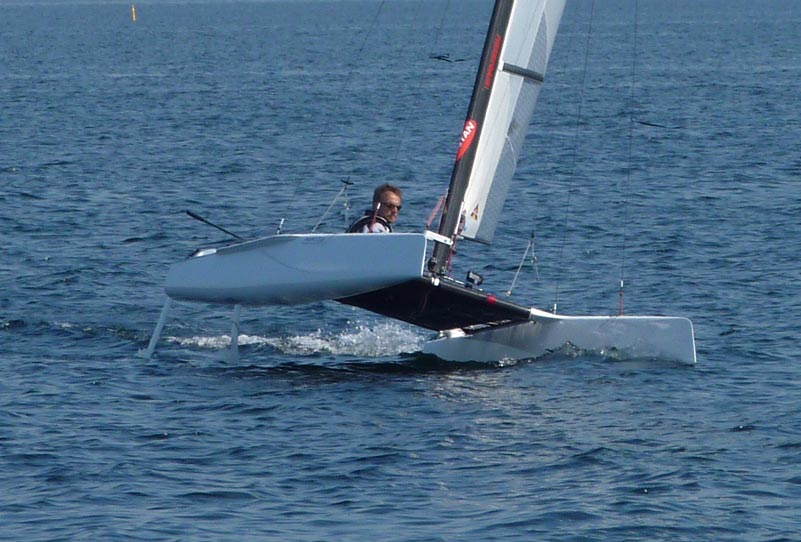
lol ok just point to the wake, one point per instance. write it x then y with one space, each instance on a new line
372 341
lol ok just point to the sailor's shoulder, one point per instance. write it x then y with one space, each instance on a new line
370 224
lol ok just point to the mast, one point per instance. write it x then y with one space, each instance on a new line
476 114
512 70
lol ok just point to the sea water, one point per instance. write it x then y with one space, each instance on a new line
664 154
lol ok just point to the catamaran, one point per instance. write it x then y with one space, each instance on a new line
407 282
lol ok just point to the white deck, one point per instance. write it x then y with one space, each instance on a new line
297 268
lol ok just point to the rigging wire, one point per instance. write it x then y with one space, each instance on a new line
574 158
321 135
347 82
433 56
434 212
627 182
441 25
446 57
529 247
561 105
402 138
345 184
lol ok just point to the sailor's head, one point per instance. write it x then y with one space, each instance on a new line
387 199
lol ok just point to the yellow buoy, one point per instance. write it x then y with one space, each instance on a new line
133 12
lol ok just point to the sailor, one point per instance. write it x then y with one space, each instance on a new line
386 206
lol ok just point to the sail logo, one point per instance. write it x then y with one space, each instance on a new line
493 66
469 132
474 214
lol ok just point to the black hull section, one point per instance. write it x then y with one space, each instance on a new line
440 304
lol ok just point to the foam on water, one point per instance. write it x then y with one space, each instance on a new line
370 341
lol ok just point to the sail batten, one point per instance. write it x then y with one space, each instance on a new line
524 72
512 69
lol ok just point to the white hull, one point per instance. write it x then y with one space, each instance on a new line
626 337
297 268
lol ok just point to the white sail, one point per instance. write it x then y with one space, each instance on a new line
518 75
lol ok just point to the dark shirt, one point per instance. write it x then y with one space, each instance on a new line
370 223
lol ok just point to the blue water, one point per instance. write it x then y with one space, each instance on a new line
331 426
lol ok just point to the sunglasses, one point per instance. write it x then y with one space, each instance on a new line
391 206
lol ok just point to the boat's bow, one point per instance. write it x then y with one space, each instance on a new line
292 269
